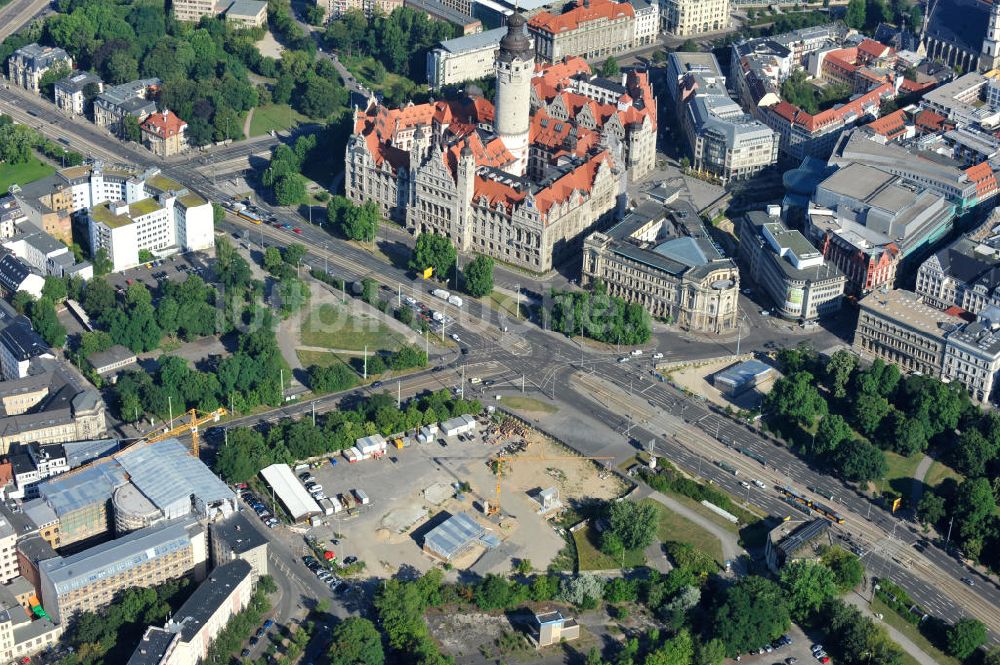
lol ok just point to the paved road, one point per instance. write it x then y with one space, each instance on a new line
18 13
550 362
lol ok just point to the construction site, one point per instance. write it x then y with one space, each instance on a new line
475 503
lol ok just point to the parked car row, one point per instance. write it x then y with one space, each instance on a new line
258 507
322 573
313 487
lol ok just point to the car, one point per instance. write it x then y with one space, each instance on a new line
819 655
305 475
309 559
350 560
268 624
260 632
768 648
297 230
442 443
637 352
824 659
791 660
623 359
271 523
488 382
316 488
763 486
744 484
287 227
765 312
816 647
968 581
437 368
747 292
254 641
245 653
333 461
465 351
455 337
333 584
657 355
377 385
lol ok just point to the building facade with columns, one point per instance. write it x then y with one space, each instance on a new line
522 181
963 33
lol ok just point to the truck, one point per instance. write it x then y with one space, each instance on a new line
440 293
455 300
327 506
335 502
361 496
437 316
347 500
352 455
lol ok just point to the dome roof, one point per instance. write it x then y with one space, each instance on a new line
516 43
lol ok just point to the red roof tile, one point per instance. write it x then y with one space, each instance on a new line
164 124
891 126
583 12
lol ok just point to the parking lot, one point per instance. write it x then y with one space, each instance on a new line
798 652
173 268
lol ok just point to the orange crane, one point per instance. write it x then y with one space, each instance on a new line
494 507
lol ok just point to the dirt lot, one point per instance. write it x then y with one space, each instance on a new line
697 379
406 501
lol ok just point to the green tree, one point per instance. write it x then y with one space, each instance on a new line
218 213
831 432
678 650
54 289
860 461
102 263
796 397
55 73
272 260
973 452
479 276
974 507
848 572
290 189
610 67
493 593
992 657
689 46
751 612
807 586
130 129
46 323
356 641
964 637
856 14
868 412
315 14
931 508
360 222
839 369
634 523
433 251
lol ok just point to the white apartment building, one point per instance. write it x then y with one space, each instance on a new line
69 92
647 21
28 64
8 552
124 229
972 354
464 58
685 18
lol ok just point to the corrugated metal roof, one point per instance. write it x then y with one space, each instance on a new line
167 474
293 495
452 536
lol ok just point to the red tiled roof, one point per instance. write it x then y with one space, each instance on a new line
552 134
890 126
579 180
874 49
583 12
982 175
164 124
813 123
493 154
558 72
909 86
930 121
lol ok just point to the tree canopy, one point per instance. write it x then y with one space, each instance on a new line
478 276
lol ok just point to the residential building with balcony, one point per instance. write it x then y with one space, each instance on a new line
69 92
28 65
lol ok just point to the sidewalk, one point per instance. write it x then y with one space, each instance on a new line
902 640
731 549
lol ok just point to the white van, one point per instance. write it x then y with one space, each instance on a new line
475 380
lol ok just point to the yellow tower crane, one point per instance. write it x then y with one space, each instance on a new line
494 507
192 425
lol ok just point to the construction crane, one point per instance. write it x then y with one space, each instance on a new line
494 507
191 425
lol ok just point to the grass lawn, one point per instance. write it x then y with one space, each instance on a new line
940 472
22 174
320 358
900 474
591 558
332 327
677 528
504 303
277 117
890 617
529 404
363 69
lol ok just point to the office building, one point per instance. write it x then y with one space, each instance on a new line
464 58
111 362
687 18
19 345
155 213
44 254
163 132
590 29
185 639
28 64
70 92
335 9
32 463
235 538
898 328
521 182
793 273
663 259
247 14
193 10
868 220
962 101
440 11
135 98
91 579
722 138
647 22
794 540
8 552
964 274
972 354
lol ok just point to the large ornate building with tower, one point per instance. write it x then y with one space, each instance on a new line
521 181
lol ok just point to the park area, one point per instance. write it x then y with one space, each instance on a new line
274 117
22 174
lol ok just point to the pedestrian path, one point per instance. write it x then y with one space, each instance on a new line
908 645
